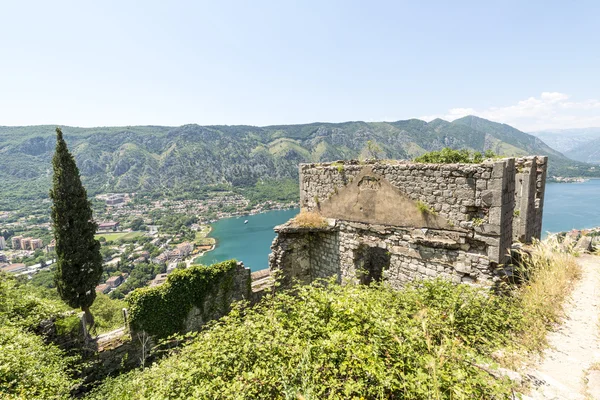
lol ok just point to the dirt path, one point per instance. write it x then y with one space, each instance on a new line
564 372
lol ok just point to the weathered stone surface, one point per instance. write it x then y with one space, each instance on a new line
399 221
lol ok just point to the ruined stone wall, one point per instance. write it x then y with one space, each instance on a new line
305 254
233 286
462 196
530 182
455 191
413 254
399 221
540 190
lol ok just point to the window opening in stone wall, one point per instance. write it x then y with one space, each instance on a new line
370 263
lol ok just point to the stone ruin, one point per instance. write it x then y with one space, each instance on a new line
398 221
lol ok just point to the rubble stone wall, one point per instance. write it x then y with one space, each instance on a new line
477 204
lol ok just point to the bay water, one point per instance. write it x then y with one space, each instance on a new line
566 206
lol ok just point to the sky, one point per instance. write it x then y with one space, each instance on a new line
532 64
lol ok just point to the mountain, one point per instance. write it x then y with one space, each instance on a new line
184 160
577 144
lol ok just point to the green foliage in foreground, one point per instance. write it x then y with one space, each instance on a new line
24 306
340 342
161 311
29 369
449 156
108 313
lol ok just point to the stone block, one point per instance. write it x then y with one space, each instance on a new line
491 198
463 268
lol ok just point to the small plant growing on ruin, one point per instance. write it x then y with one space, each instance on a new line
477 221
424 208
516 213
309 219
339 166
450 156
316 199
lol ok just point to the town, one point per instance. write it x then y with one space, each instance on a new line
142 239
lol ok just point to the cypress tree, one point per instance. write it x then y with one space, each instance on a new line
79 263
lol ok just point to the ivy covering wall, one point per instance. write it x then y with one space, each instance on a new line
163 310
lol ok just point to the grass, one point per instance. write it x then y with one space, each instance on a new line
309 219
119 235
549 276
201 238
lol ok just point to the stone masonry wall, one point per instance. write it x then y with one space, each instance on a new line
303 255
414 253
540 190
468 196
530 182
475 207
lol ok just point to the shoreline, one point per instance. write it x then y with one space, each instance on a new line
214 246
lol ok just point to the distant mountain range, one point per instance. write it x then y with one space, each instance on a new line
167 160
577 144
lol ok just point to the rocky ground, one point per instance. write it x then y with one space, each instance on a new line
570 368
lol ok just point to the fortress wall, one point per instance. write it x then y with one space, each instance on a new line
478 197
454 191
304 255
399 221
525 214
540 190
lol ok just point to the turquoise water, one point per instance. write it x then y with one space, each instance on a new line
567 206
250 243
571 205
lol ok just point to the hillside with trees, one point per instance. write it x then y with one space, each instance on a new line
185 161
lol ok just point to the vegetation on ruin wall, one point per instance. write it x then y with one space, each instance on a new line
340 342
450 156
433 340
162 310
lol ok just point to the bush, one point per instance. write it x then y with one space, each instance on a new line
450 156
340 342
25 306
108 313
30 369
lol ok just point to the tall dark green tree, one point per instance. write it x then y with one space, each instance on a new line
79 263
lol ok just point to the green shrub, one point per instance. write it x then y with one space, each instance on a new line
161 311
30 369
26 306
450 156
340 342
108 313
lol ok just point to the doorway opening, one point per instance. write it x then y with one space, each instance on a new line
370 262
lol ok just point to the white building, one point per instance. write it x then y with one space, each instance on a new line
2 243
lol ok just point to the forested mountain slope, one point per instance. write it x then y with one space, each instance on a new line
168 160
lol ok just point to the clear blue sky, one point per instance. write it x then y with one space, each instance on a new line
101 63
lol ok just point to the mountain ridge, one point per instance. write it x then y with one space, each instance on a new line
166 160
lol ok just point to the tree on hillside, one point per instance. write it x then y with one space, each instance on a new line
79 263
